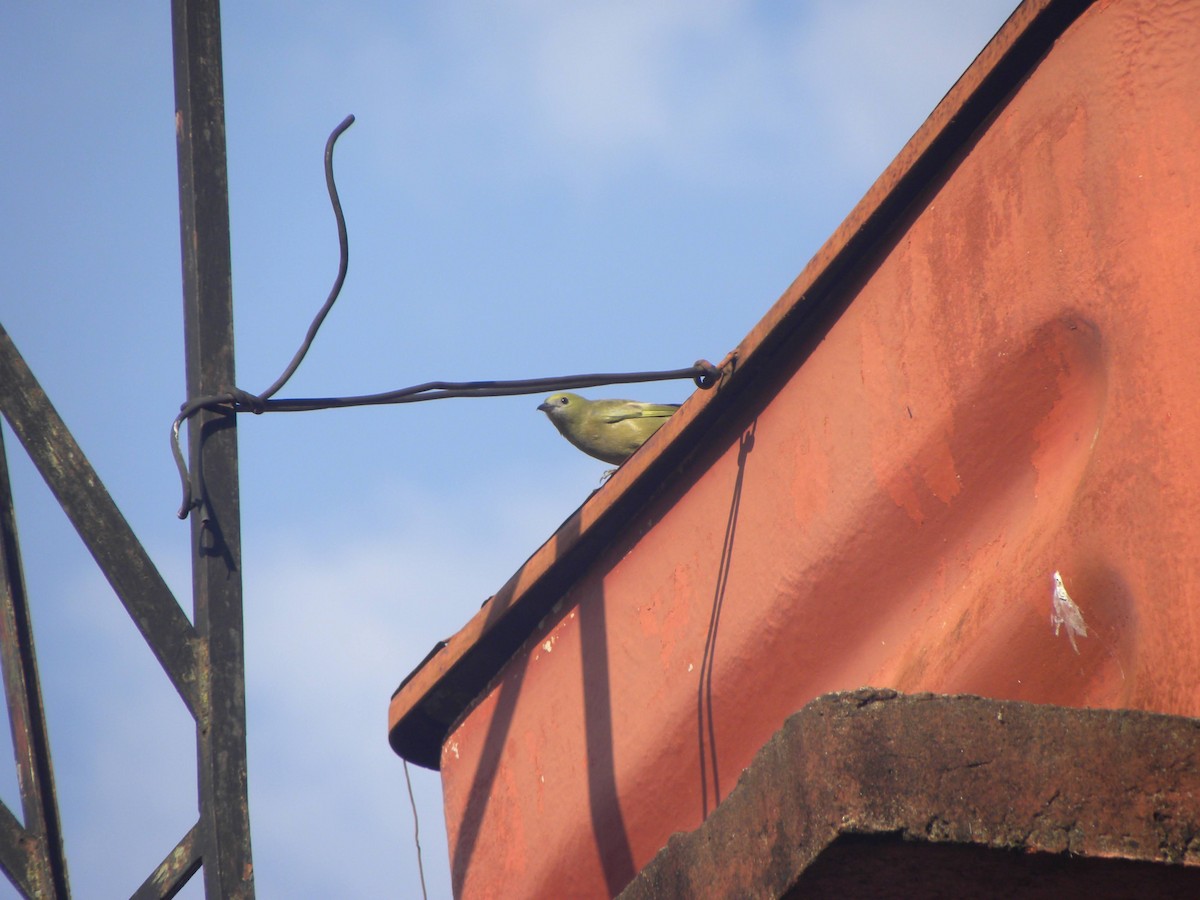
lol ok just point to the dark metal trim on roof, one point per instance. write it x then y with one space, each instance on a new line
432 699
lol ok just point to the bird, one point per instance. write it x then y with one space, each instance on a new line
609 430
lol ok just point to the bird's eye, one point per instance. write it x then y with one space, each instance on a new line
563 401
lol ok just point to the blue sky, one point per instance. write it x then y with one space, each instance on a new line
532 188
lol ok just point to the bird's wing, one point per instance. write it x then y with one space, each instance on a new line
631 409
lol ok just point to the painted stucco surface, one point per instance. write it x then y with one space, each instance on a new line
1010 391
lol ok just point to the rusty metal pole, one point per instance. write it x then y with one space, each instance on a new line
216 529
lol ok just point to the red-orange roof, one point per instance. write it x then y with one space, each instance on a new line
985 379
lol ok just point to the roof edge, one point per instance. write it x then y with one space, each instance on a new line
446 685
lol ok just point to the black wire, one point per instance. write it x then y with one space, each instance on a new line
703 373
443 390
416 829
344 256
234 400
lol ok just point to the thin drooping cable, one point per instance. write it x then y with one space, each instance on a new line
234 400
416 829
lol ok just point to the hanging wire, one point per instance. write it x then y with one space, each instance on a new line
234 400
416 829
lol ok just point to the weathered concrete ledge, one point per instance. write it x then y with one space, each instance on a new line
873 793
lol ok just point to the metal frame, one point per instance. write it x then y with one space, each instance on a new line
224 826
204 662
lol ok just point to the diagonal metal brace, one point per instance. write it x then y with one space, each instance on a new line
103 529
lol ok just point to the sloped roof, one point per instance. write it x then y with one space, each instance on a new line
433 697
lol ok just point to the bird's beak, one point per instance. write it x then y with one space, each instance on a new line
545 407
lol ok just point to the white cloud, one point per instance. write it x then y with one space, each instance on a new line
631 78
716 92
870 72
338 610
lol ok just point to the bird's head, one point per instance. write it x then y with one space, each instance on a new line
564 407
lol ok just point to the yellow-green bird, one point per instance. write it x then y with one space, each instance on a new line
606 429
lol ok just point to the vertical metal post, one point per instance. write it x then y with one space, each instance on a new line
216 529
